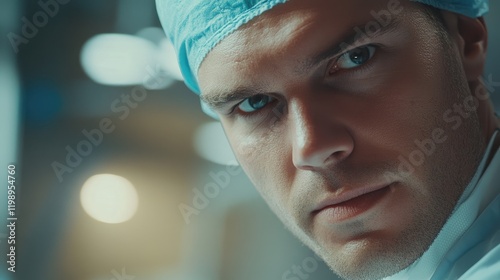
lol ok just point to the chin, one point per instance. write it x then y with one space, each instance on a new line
372 258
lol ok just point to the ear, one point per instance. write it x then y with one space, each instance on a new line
471 38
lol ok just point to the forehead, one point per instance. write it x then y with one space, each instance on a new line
285 37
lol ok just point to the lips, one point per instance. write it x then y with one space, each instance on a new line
350 204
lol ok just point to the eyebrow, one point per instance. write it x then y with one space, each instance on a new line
220 101
351 41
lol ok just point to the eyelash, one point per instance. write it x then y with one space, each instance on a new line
352 71
248 115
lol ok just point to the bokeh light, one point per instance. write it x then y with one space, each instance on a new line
109 198
118 59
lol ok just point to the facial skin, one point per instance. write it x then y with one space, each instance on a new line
329 129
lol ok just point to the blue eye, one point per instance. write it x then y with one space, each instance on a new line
255 103
354 58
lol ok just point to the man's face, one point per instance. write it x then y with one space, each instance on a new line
354 144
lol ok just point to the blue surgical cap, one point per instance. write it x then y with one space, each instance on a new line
195 27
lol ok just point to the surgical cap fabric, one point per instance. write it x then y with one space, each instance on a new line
470 8
195 27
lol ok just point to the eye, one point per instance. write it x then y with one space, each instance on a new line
255 103
354 58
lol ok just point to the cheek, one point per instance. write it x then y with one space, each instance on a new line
266 159
414 99
407 108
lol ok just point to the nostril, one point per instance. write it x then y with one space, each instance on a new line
318 139
321 154
337 156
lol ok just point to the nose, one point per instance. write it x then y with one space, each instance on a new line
319 141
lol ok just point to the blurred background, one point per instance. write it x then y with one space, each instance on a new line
119 175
